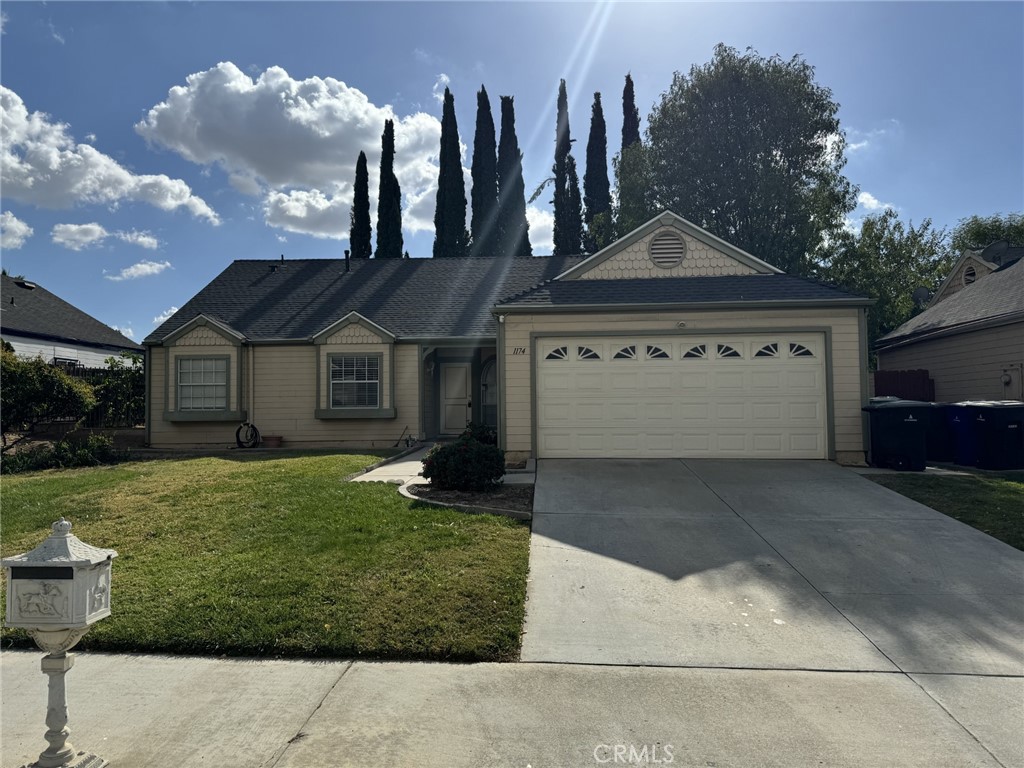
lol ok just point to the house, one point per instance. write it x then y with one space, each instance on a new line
38 324
971 337
668 343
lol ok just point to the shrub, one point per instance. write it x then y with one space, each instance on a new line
121 392
465 465
93 451
34 391
481 432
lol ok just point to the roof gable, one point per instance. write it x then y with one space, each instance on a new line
705 255
202 321
354 319
954 280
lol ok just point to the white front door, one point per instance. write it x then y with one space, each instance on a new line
456 404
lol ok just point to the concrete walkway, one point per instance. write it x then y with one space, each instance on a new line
166 712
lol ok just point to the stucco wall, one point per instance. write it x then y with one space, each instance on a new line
846 357
968 366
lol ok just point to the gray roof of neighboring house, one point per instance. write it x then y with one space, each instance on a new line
29 309
722 289
411 298
996 296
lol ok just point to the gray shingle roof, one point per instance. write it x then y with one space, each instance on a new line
996 295
411 298
29 309
681 290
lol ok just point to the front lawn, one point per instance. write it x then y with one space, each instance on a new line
993 503
279 557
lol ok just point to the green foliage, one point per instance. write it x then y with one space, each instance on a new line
34 391
977 232
597 193
360 233
121 394
485 180
389 200
750 148
65 454
633 180
450 236
630 116
513 229
484 433
568 226
464 465
888 260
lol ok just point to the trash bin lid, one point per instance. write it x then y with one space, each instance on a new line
878 404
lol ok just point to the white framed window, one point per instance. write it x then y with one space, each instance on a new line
355 381
202 383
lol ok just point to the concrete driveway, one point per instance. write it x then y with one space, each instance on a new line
762 565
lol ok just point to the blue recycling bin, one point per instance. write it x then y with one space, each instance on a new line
940 434
965 439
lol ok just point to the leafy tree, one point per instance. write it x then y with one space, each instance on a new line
360 234
633 181
977 232
121 394
34 391
750 148
887 261
597 193
450 236
513 228
568 234
389 199
485 180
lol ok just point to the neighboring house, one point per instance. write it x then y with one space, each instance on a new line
668 343
971 337
38 324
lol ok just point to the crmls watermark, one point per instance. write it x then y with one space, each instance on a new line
631 754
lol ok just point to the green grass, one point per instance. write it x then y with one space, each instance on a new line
993 503
279 557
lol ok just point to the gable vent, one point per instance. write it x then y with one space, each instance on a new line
666 250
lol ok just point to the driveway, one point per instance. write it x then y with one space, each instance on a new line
763 565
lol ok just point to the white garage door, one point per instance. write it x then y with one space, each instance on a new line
738 396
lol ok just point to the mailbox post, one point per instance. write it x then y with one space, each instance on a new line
57 592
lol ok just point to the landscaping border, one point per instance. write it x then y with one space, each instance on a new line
474 509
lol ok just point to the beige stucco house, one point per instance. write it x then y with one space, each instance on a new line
668 343
971 337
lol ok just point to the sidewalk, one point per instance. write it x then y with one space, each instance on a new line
165 712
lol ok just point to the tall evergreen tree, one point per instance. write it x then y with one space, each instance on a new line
450 236
567 219
360 234
574 212
485 180
389 199
512 230
630 115
597 194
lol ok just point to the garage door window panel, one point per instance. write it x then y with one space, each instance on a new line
800 350
626 353
558 353
768 350
729 352
696 352
587 353
655 352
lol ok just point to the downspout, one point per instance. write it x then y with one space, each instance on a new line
147 396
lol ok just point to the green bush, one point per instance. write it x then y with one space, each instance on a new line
121 392
34 391
93 451
481 432
465 465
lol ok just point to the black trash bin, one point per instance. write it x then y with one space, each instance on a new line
965 438
940 434
899 431
999 430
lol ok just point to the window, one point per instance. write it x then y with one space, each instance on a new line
202 383
558 353
355 381
799 350
768 350
726 351
657 353
586 353
698 352
626 353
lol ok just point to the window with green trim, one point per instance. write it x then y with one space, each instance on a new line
202 383
355 381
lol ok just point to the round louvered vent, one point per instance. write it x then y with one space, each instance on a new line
667 250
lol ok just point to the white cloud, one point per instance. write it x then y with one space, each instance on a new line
3 23
164 316
542 229
13 231
55 34
858 140
442 82
295 142
79 236
125 330
142 269
41 164
871 203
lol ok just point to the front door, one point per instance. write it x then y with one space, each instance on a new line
456 404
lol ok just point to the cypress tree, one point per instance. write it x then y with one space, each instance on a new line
512 230
630 115
389 199
360 235
485 180
567 219
450 236
574 212
597 194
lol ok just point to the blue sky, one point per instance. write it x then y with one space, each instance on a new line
147 145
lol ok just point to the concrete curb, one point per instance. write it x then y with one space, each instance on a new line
473 509
390 460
